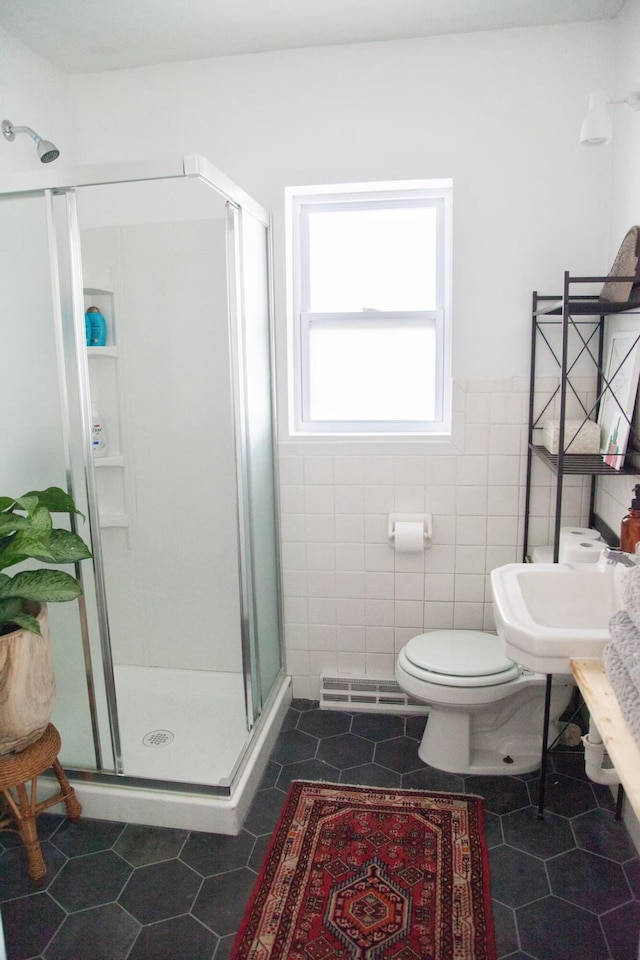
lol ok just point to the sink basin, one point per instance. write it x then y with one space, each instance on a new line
549 612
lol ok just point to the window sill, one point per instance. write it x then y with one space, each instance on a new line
388 445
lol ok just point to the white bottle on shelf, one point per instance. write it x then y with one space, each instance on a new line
98 433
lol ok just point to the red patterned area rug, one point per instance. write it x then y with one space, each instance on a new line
372 874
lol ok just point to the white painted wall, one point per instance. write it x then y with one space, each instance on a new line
34 94
625 148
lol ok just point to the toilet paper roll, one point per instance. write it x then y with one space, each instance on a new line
580 551
579 533
409 536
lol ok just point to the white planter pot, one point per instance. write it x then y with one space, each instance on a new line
27 685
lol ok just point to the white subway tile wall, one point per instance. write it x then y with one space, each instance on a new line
351 601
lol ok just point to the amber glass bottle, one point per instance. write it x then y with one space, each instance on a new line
630 526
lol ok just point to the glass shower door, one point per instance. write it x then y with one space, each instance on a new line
33 431
166 663
260 481
154 265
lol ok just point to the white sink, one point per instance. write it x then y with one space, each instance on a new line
549 612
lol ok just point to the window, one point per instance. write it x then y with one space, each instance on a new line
369 299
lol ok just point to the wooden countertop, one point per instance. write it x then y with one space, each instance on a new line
617 737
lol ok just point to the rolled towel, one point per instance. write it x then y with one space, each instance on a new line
625 637
630 590
627 694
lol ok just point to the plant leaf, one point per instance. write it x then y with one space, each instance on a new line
28 502
66 547
9 608
26 621
61 546
12 615
23 549
45 586
12 521
40 524
55 500
6 502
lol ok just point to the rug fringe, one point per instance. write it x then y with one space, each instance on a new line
369 786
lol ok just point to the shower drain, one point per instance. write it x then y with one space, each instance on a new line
158 738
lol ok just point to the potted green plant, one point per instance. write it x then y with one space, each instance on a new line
27 683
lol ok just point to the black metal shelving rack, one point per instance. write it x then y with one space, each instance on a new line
582 320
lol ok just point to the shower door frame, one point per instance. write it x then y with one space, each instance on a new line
190 166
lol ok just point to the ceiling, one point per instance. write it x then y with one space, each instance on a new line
79 36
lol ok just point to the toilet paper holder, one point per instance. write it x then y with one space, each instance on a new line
426 519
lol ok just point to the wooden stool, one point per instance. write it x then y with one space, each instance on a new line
15 771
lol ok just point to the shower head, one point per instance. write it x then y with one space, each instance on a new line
46 150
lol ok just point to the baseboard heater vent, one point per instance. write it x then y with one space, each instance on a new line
367 694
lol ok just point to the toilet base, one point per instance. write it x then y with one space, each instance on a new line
506 758
469 743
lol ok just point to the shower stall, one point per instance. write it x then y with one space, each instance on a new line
169 669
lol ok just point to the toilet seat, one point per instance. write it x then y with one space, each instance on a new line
459 658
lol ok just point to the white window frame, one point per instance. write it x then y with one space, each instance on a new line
299 202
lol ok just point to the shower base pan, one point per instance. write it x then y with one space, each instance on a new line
188 726
185 806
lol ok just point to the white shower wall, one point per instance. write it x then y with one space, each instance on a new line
171 573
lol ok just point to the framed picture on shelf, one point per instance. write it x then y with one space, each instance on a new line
622 369
625 265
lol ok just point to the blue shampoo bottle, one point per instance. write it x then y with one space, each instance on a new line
95 328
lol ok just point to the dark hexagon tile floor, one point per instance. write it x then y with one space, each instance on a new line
90 881
109 930
565 887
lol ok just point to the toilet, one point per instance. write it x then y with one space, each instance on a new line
485 711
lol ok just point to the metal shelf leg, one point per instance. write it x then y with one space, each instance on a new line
545 745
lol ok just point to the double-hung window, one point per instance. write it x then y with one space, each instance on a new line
369 268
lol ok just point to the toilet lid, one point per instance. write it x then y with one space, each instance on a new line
460 653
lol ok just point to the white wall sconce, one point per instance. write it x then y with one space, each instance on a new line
597 126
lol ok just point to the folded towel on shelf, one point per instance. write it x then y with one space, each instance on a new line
627 693
630 591
625 637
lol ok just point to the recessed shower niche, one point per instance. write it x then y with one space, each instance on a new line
179 630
